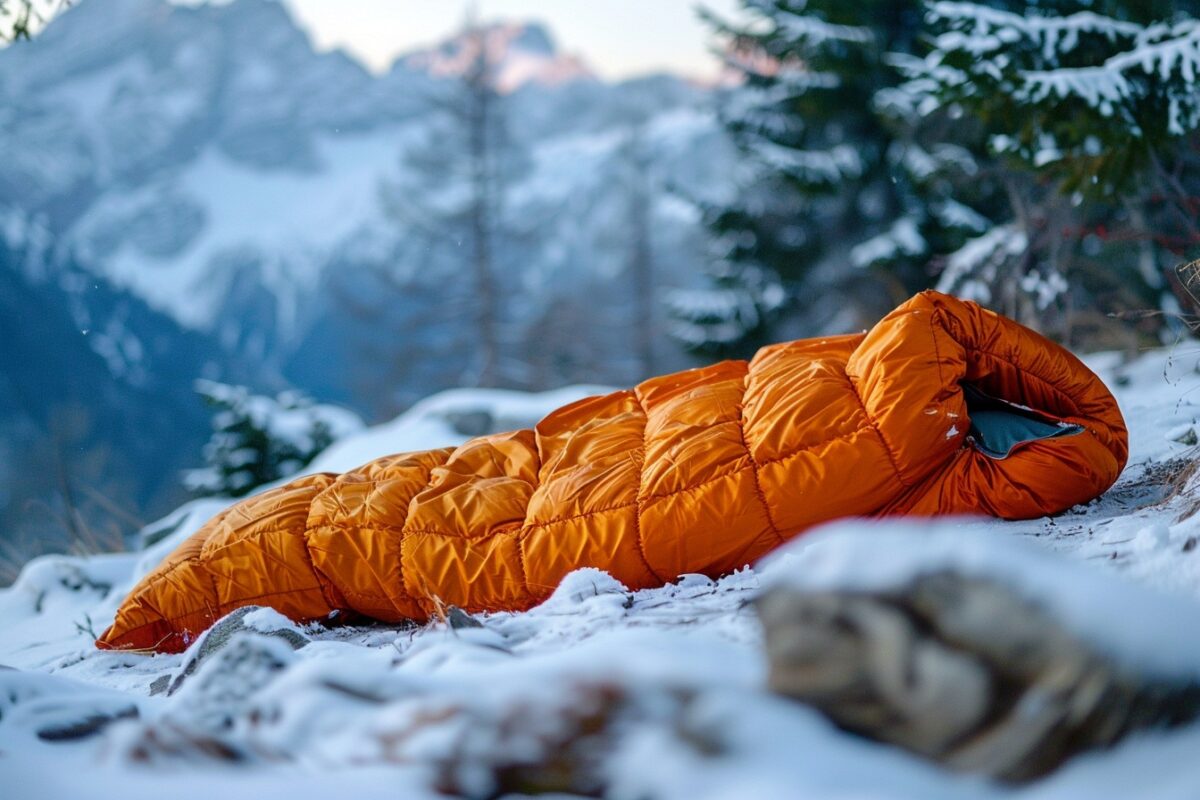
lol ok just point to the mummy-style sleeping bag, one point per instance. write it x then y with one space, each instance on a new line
942 408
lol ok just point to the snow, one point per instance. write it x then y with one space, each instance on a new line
1135 624
294 430
815 166
954 214
972 270
722 315
1158 50
403 710
992 28
429 423
286 222
1044 287
1144 61
289 417
902 239
815 32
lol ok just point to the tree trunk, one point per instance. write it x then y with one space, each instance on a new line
641 259
482 211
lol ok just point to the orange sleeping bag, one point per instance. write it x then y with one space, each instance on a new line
700 471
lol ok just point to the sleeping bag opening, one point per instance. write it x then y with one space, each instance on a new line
998 427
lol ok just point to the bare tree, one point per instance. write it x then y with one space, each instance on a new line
452 193
20 19
640 264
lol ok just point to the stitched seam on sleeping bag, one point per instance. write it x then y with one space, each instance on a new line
264 552
162 618
521 560
374 525
368 595
696 486
351 594
162 577
741 424
323 581
250 537
637 497
404 590
523 531
882 441
339 527
213 580
937 353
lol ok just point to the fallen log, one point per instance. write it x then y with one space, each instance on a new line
963 670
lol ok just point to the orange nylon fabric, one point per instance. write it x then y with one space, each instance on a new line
699 471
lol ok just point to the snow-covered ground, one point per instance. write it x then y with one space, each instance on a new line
651 694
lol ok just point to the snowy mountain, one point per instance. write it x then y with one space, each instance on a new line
197 156
253 198
525 54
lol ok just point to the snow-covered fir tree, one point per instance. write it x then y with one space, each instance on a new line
734 313
833 191
258 439
1089 112
1038 157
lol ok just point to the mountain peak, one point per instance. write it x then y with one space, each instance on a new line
519 52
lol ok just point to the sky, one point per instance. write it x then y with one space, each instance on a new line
617 38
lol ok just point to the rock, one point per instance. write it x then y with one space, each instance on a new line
1183 434
471 423
961 670
84 726
58 709
217 695
459 619
221 634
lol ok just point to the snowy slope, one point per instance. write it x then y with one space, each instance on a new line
410 711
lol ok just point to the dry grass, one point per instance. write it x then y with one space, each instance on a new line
1176 477
80 535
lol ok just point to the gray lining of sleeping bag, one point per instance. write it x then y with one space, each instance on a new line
998 427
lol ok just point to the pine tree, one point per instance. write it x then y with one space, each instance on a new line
1091 120
634 166
258 439
827 192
